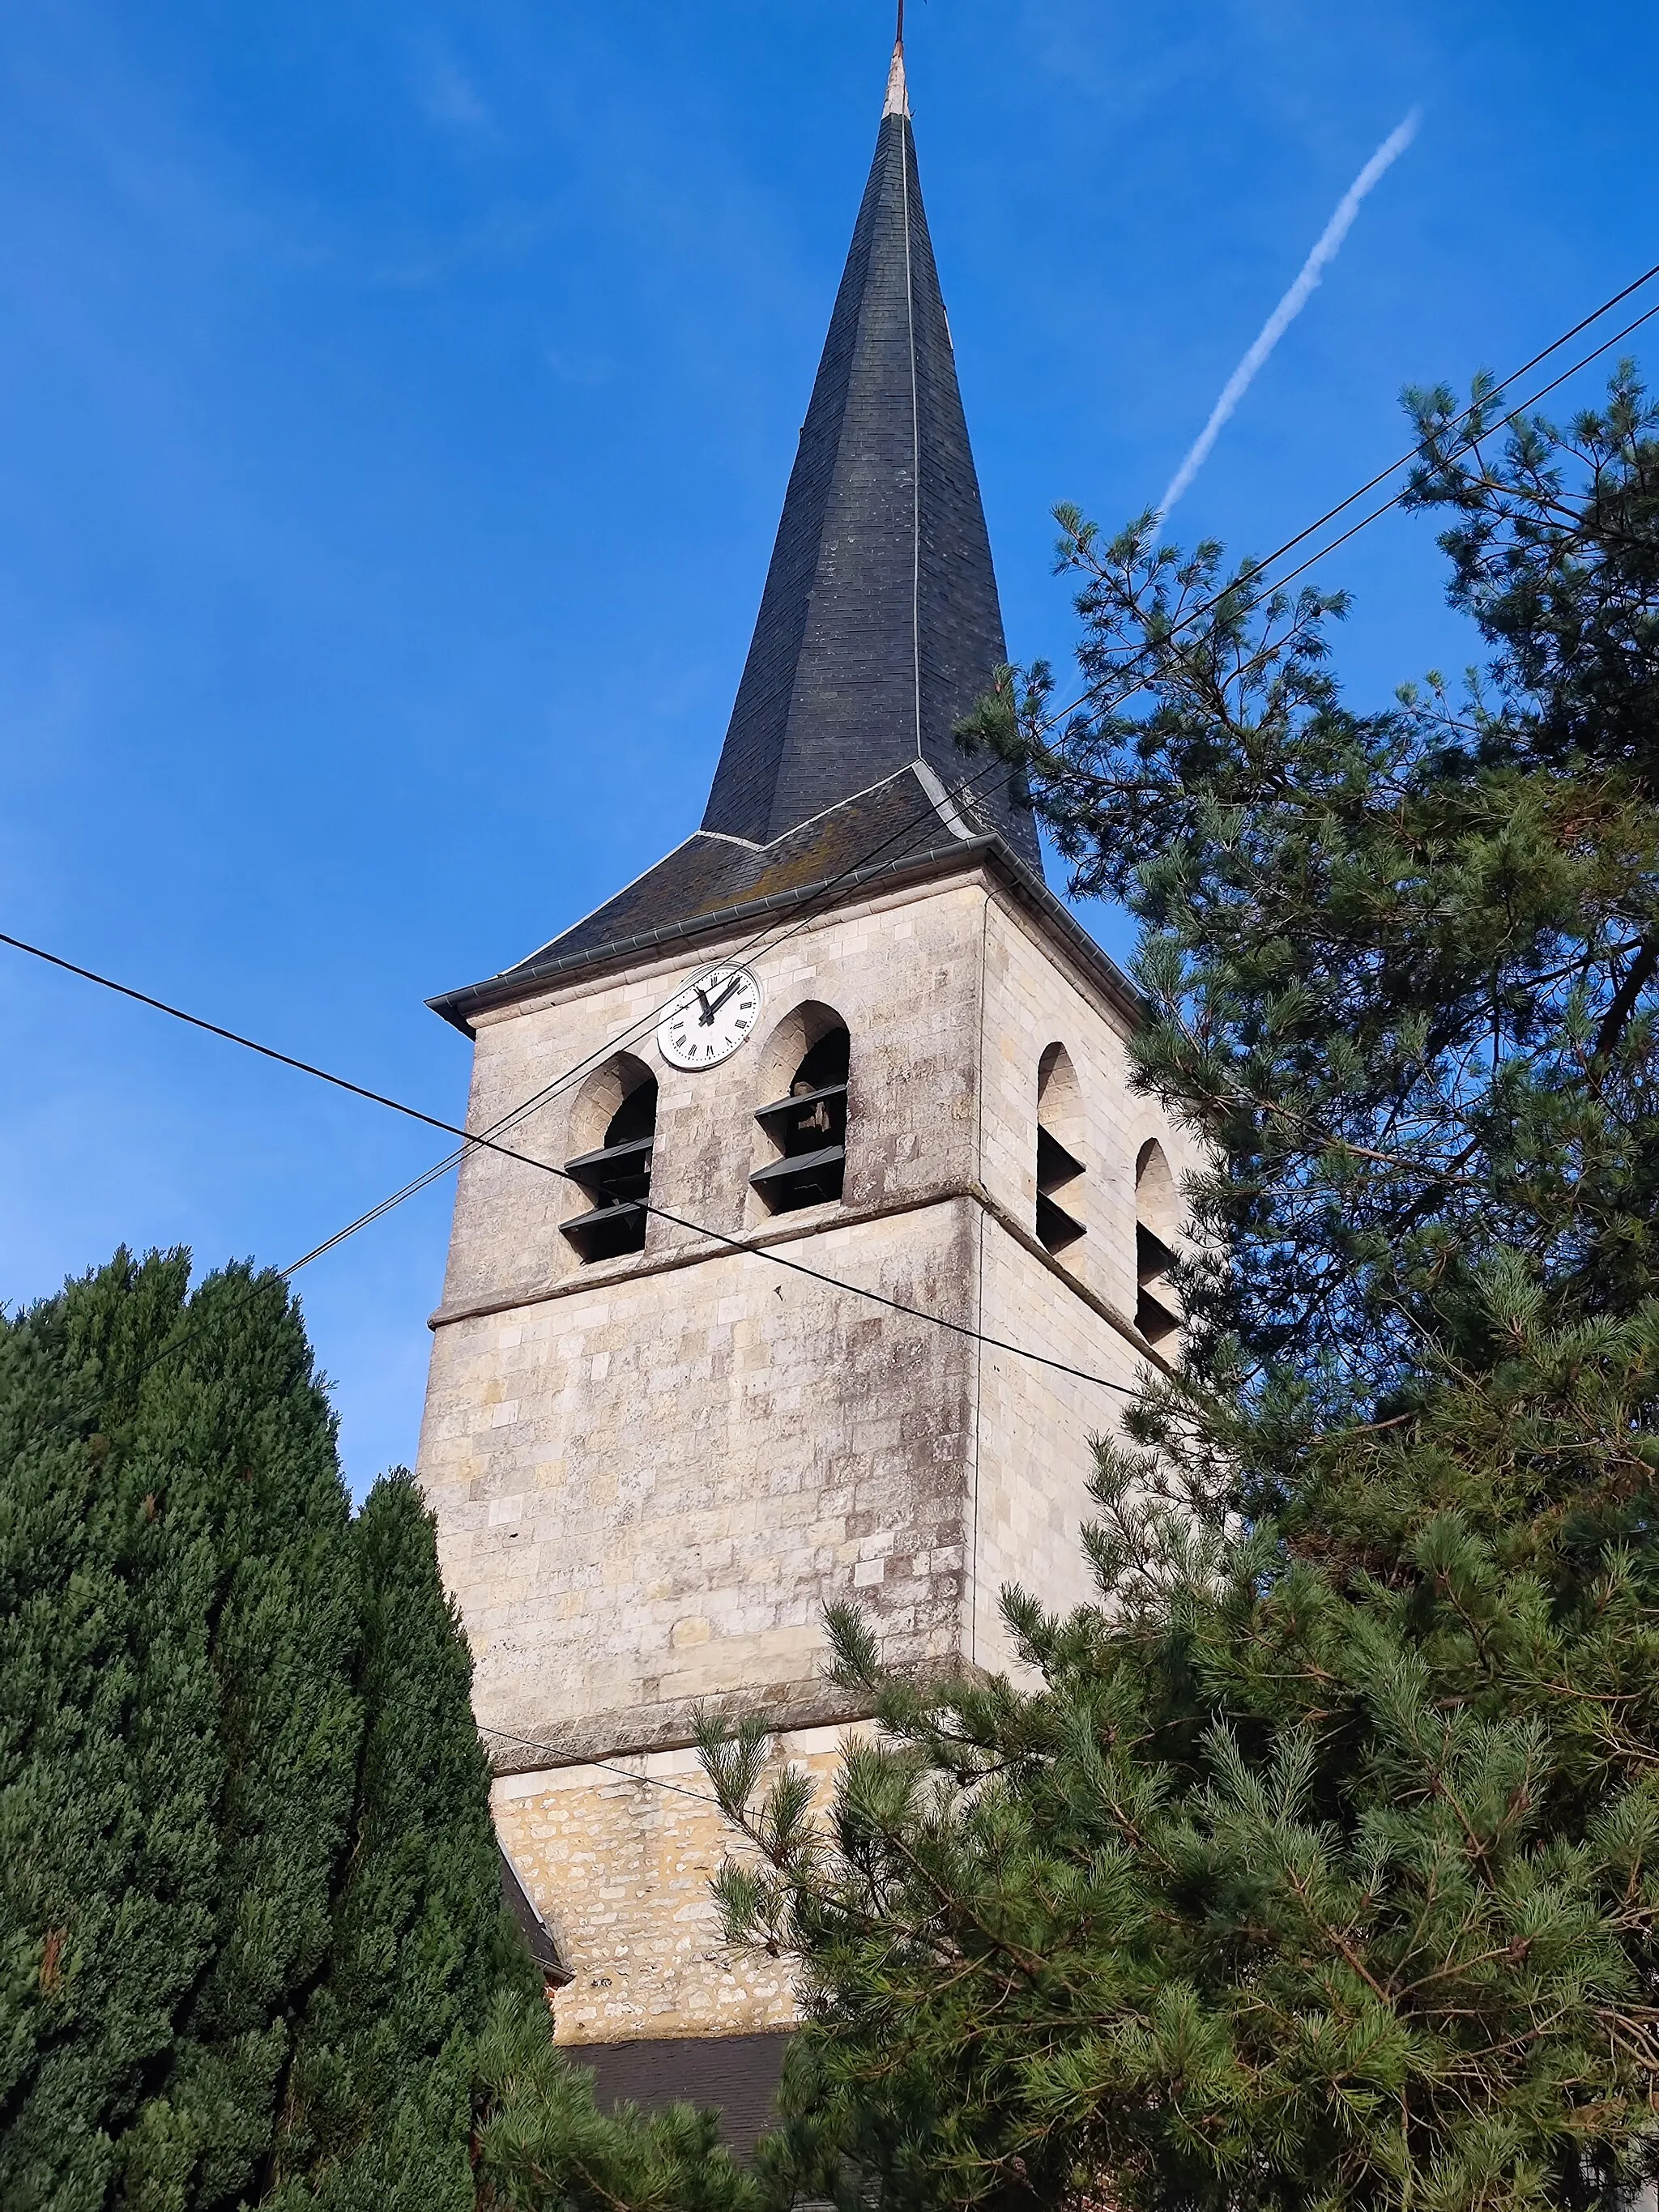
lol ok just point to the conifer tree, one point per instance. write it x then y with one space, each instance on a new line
1321 1865
544 2145
110 1771
180 1729
378 2105
252 1942
245 1440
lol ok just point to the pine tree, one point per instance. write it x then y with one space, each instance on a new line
544 2146
1322 1865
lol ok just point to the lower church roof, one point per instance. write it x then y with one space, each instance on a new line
736 2075
539 1937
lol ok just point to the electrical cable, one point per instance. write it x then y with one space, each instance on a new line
546 1167
927 815
607 1765
1525 369
907 835
1254 569
1532 400
924 818
442 1167
922 822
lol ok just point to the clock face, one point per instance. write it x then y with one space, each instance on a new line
710 1018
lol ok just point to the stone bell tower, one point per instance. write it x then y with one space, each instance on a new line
842 1041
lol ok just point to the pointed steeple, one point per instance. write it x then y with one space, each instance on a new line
879 628
880 624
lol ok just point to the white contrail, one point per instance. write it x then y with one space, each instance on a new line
1290 306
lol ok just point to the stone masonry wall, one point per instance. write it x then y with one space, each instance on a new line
1034 1424
651 1474
647 1499
621 1870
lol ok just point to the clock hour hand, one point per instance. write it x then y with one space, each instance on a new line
708 1013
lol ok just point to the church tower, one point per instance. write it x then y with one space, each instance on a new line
850 1117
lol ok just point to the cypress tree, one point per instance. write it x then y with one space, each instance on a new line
180 1729
110 1766
379 2106
244 1440
1321 1865
252 1941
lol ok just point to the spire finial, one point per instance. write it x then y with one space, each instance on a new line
898 97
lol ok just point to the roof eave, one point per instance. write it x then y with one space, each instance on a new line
461 1007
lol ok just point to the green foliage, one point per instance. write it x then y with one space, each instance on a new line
179 1729
544 2146
1321 1865
378 2109
1400 962
250 1924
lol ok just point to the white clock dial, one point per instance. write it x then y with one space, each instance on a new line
710 1018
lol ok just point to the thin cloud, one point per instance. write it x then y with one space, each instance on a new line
1290 306
449 97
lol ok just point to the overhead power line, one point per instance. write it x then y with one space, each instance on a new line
1254 569
1526 369
475 1142
923 821
926 815
1250 573
908 835
606 1766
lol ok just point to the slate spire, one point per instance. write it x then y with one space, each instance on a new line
879 623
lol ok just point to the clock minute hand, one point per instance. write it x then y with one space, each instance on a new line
714 1006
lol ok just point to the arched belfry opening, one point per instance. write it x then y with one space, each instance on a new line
1059 1143
618 1106
1157 1208
809 1061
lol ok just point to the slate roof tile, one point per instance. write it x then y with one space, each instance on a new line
880 624
879 628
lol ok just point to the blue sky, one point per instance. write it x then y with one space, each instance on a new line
395 407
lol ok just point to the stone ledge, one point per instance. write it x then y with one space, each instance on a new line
669 1726
849 1217
788 1709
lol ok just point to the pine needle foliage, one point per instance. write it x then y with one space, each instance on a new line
1316 1863
544 2145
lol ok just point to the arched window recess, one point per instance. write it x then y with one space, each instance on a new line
1158 1304
616 1174
808 1126
1058 1114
